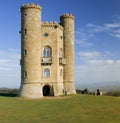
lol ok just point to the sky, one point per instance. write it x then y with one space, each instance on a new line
97 38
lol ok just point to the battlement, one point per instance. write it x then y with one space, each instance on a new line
30 6
52 24
67 16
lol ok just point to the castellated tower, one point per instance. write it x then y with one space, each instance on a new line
67 21
30 50
47 54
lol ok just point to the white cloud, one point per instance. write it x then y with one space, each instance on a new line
83 38
112 29
89 55
116 17
83 43
9 68
96 67
108 53
98 71
112 25
90 30
1 53
101 62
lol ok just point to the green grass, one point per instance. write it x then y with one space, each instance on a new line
74 109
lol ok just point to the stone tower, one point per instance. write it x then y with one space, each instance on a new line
67 22
47 54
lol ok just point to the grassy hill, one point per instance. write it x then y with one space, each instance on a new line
70 109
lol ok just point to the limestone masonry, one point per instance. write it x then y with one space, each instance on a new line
47 54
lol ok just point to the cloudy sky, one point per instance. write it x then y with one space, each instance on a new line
97 38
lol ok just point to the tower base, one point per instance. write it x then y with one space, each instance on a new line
30 91
69 87
38 90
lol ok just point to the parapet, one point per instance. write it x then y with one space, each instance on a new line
30 6
66 16
52 24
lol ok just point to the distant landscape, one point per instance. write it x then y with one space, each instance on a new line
103 86
107 88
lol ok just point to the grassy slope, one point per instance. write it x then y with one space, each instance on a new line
76 109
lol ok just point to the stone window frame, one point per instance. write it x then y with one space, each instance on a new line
47 52
46 73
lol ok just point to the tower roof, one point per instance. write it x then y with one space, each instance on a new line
32 5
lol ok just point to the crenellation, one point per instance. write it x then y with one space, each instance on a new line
30 6
52 24
67 16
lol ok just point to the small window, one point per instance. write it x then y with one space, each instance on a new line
25 74
55 27
25 52
46 34
25 31
46 72
25 14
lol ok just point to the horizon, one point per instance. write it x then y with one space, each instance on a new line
97 39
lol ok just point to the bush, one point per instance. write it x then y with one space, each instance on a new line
85 91
113 93
9 92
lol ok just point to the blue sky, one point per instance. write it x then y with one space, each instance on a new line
97 38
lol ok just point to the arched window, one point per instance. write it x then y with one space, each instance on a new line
47 52
46 72
61 53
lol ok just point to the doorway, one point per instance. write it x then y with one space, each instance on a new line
46 90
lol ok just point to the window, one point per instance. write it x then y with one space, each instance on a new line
25 52
25 14
47 52
46 34
25 31
25 74
46 72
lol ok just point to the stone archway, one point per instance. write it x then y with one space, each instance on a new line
46 90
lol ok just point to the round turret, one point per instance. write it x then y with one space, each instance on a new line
67 22
30 50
